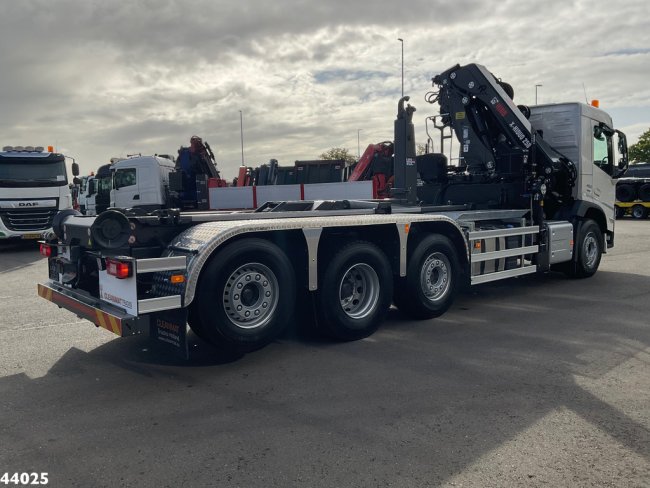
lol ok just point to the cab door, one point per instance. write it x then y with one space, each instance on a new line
125 193
604 184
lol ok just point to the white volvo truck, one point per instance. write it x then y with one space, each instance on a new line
533 190
33 189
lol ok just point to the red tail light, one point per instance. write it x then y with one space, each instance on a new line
47 250
119 269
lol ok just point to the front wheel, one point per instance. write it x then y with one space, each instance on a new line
431 280
246 295
588 249
355 292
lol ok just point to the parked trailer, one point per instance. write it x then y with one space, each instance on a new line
633 197
517 208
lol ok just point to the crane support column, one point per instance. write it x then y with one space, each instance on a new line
405 170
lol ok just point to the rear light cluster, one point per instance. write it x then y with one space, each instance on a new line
119 269
48 251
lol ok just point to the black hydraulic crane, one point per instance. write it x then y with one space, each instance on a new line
502 161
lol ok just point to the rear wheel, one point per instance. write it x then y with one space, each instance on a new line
588 249
620 212
246 295
431 281
639 212
355 292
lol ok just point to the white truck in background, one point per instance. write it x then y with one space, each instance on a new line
82 196
33 189
144 182
141 182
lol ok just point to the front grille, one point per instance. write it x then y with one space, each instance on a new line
23 220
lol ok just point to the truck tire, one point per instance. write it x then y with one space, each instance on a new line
639 212
246 295
355 292
431 281
588 251
644 192
625 193
619 211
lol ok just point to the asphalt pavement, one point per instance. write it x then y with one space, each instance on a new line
535 381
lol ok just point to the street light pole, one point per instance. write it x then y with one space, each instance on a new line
358 145
402 42
241 131
537 86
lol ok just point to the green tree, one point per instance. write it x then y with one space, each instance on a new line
339 153
420 149
641 150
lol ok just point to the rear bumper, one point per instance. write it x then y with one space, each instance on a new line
167 327
102 315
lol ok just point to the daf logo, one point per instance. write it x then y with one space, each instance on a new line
28 204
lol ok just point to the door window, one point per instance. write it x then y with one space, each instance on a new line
603 150
124 177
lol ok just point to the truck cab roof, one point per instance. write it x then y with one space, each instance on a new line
143 161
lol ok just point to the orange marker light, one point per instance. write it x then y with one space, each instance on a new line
406 228
477 244
50 148
595 103
176 279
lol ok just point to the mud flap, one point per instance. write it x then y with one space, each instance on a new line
169 328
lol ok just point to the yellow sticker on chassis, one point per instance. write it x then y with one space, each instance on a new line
32 236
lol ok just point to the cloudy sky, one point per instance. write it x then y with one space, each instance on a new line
108 78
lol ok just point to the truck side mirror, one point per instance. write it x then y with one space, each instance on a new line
622 149
75 169
91 187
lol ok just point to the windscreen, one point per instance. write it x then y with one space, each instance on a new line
30 172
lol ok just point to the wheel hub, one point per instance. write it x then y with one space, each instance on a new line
590 248
250 296
359 291
435 277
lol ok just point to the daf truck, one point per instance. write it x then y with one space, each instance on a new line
33 189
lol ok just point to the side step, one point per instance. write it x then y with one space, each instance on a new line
497 254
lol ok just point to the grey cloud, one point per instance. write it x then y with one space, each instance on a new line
106 78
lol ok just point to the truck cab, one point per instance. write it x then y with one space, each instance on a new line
584 134
33 189
141 182
98 191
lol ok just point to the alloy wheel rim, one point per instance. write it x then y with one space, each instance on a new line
251 295
435 277
359 291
